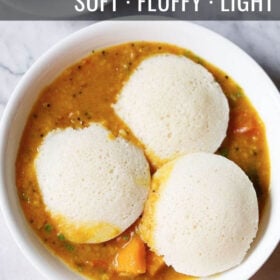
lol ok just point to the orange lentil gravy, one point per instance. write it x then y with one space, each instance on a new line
83 93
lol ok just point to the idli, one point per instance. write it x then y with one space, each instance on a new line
201 214
93 185
174 107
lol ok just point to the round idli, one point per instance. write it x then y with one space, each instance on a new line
201 214
93 184
174 107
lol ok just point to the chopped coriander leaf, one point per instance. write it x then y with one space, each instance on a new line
69 247
126 237
239 94
235 96
223 152
198 60
61 237
187 54
48 228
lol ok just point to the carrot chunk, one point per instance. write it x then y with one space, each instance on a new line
154 263
131 258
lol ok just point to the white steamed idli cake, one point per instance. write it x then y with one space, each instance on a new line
201 214
173 106
93 185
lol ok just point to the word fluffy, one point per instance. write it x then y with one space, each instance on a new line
167 5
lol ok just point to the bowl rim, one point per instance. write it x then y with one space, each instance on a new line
18 94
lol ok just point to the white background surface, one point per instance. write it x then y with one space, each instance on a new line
21 43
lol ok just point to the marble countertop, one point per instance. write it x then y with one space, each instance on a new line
21 43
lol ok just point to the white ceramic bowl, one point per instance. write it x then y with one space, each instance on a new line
217 50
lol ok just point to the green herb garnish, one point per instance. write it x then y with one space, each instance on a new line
61 237
126 237
223 152
69 247
48 228
235 96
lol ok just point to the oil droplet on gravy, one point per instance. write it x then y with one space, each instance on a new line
83 93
